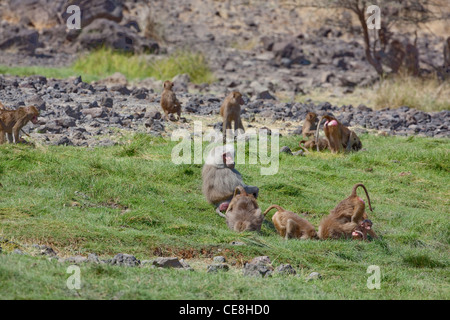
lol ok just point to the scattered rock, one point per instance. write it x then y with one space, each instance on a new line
286 149
314 276
299 153
126 260
237 243
93 258
74 260
214 268
172 262
256 270
286 269
261 260
219 259
47 251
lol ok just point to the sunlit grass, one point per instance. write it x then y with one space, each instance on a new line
105 62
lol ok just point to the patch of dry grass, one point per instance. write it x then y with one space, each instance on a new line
423 94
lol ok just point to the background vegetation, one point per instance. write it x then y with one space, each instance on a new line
105 62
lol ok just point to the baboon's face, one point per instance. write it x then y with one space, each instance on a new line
168 85
33 114
311 117
237 97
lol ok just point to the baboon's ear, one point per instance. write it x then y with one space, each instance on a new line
239 190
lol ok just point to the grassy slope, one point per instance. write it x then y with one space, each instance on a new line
168 215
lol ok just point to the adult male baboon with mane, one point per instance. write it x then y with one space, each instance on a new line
220 178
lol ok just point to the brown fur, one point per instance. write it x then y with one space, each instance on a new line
309 125
243 213
364 228
12 121
169 101
311 145
230 110
339 137
345 217
289 225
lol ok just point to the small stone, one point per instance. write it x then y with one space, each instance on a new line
47 251
261 260
237 243
214 268
286 269
186 265
314 276
92 257
256 270
146 262
74 260
219 259
172 262
17 251
286 149
126 260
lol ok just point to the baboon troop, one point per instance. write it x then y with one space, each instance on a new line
12 122
223 186
169 101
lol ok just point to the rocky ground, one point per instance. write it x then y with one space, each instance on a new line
73 112
270 52
260 266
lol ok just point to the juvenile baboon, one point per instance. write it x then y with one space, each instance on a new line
12 121
220 178
338 135
289 225
169 101
345 217
309 125
311 144
230 110
243 213
364 228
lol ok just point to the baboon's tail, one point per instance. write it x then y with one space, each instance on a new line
302 147
274 206
356 186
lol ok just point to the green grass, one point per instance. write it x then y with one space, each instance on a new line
57 73
104 62
139 203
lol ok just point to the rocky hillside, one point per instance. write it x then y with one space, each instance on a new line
266 50
77 113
